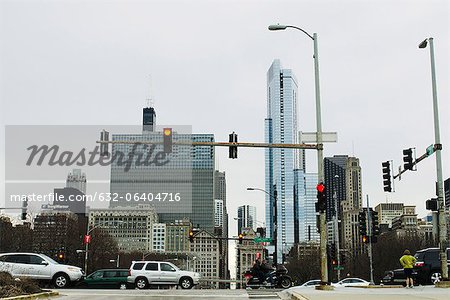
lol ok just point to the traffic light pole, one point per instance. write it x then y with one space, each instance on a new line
369 234
440 188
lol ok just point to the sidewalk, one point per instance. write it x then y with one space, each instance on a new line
343 293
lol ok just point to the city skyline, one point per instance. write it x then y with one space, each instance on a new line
373 77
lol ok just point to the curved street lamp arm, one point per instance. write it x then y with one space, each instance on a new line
298 28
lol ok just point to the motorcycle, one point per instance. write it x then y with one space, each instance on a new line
279 278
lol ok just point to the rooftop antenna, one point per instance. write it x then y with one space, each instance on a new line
149 101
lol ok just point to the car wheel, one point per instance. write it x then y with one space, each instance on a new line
435 277
61 280
186 283
123 286
286 282
141 283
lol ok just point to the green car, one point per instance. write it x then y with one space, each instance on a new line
107 278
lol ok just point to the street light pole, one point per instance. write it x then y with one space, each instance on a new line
320 171
275 218
442 228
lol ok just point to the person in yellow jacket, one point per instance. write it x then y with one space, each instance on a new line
408 261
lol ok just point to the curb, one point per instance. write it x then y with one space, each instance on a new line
442 285
34 296
379 287
297 296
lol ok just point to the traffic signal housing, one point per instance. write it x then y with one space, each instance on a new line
191 236
375 226
167 140
408 159
240 238
321 205
362 223
432 204
387 184
233 150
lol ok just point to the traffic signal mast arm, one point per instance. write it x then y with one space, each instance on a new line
224 144
427 153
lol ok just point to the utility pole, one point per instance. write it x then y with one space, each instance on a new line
369 234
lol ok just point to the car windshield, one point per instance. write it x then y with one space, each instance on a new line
49 259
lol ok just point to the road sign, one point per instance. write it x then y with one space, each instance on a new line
338 268
430 150
262 240
311 137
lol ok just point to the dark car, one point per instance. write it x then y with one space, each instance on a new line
107 278
397 277
428 265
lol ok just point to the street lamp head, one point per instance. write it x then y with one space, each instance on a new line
277 27
250 189
423 44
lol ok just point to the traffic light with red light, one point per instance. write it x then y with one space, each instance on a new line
167 133
321 205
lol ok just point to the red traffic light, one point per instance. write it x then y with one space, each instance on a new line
320 187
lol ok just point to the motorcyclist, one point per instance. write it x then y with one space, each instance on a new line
267 269
257 268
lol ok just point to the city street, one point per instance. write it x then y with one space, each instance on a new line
82 294
345 293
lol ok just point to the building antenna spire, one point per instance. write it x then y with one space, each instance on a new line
150 101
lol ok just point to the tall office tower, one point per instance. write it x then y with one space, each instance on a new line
221 220
246 217
179 184
76 180
218 213
281 127
343 183
148 119
306 198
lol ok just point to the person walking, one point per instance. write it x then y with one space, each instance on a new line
408 261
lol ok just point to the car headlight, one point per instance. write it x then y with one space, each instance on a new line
73 269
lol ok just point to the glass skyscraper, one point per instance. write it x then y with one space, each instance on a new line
281 127
306 198
186 178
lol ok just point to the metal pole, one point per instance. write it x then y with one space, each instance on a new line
440 188
86 249
275 224
336 235
323 231
369 233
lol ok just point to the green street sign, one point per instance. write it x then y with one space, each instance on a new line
338 268
262 240
430 150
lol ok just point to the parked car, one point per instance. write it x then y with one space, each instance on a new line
397 277
349 282
145 273
107 278
39 267
428 265
311 283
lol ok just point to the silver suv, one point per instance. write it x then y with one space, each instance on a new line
145 273
39 267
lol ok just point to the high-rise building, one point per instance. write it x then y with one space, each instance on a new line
281 127
188 171
306 216
76 180
343 184
177 236
158 237
246 217
206 249
218 213
148 119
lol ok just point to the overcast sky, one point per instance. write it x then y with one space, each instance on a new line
204 63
